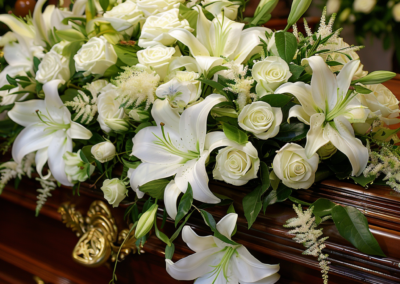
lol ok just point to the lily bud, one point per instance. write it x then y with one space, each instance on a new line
264 9
146 222
376 77
139 115
117 124
76 168
103 152
299 7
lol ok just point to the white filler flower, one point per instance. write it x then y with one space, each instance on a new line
215 261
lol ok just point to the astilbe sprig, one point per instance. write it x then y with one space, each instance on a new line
44 192
11 170
306 233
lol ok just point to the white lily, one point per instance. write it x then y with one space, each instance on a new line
329 108
219 37
215 261
180 147
49 130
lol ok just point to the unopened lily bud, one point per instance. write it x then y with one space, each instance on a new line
299 7
117 124
114 191
139 115
75 167
219 111
266 6
146 222
103 152
327 151
376 77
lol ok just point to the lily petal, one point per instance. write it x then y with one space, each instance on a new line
53 102
171 195
195 242
345 141
188 39
38 22
24 113
298 111
193 123
206 62
315 136
163 112
227 224
57 148
194 172
249 40
34 137
203 28
78 131
41 159
249 269
267 280
17 26
323 83
188 62
302 92
346 76
146 172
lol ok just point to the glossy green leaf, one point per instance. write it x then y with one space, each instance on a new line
185 204
264 175
296 71
286 43
104 4
252 205
292 132
364 181
323 207
234 133
214 70
276 100
353 226
163 237
169 251
362 90
127 54
155 188
87 150
209 219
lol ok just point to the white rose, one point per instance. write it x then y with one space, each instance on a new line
114 191
95 56
237 165
54 65
382 103
396 12
153 7
215 7
270 73
364 6
155 29
158 57
111 115
333 6
261 119
127 11
293 168
103 152
75 167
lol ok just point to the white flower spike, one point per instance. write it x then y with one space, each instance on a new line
329 108
217 262
49 130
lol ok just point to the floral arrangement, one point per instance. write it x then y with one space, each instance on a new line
379 18
149 99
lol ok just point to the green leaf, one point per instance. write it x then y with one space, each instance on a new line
127 54
353 226
364 181
188 14
215 85
296 71
292 132
155 188
8 87
333 63
104 4
214 70
278 100
129 164
252 205
169 251
69 51
161 235
66 20
83 157
112 71
184 204
283 192
298 201
362 90
209 219
233 133
36 62
177 232
87 150
286 43
264 175
323 207
231 209
70 35
90 10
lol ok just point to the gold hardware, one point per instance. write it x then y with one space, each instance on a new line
99 237
38 280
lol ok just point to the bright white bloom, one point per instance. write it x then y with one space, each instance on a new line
364 6
103 152
177 94
54 65
330 109
261 119
153 7
215 261
114 191
95 56
156 28
188 79
215 7
270 73
49 130
111 115
293 168
382 103
127 11
396 12
75 167
333 6
237 164
181 147
219 37
158 57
